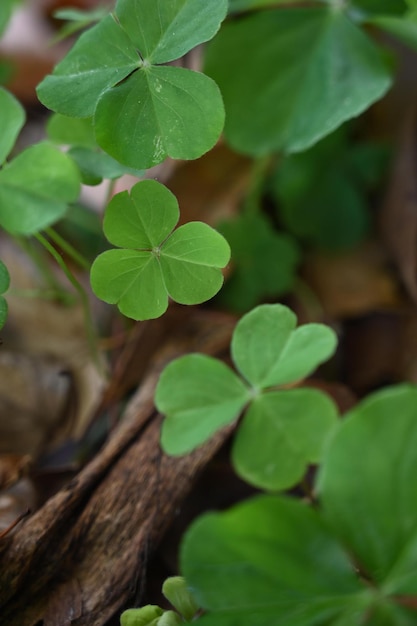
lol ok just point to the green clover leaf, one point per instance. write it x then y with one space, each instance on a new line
349 560
4 285
269 350
143 111
35 189
12 120
155 263
376 516
281 431
270 560
199 395
278 104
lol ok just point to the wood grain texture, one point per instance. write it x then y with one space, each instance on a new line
79 559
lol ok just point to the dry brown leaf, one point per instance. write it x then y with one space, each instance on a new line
49 382
15 503
352 283
399 212
211 188
12 468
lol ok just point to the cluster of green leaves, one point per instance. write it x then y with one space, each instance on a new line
153 262
177 593
286 102
142 110
324 200
37 185
351 560
282 429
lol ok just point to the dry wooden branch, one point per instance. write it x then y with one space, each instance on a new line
78 559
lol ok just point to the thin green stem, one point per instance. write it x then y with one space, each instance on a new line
67 248
308 299
110 190
260 171
38 258
91 335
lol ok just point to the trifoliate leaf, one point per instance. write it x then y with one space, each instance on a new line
35 189
184 265
280 434
287 102
143 112
268 350
12 120
199 395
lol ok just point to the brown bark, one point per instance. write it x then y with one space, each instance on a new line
81 556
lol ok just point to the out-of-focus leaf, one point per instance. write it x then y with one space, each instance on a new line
95 165
286 102
403 29
35 189
11 122
264 261
76 20
273 562
71 131
323 199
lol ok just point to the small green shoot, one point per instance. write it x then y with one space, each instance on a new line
4 285
348 561
35 189
154 263
176 591
143 111
282 430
